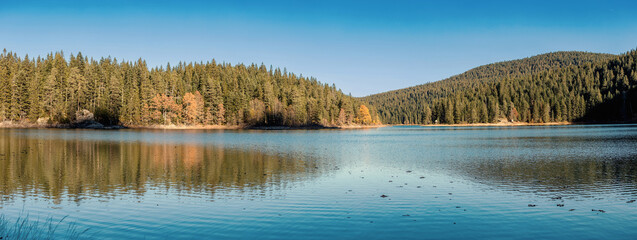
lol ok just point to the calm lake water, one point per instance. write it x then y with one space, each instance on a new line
440 182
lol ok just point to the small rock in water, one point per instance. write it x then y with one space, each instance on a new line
560 205
631 201
422 177
532 205
384 196
408 171
391 181
450 193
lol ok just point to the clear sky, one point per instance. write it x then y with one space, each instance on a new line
363 47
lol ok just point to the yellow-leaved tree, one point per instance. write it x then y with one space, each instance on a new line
363 116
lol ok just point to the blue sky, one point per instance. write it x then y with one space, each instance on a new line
363 47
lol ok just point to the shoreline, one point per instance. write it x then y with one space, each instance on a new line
510 124
11 125
499 124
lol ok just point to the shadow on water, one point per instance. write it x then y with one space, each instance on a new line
580 169
77 168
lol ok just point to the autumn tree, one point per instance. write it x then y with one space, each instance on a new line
363 116
165 110
513 114
193 108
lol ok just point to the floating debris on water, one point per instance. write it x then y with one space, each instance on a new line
384 196
560 205
532 205
631 201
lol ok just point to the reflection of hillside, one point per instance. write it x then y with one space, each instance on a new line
581 176
54 167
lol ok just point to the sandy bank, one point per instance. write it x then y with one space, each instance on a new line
17 125
493 124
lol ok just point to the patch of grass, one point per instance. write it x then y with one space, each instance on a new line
24 228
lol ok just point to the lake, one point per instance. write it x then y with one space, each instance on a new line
547 182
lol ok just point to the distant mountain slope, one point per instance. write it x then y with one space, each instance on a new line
559 86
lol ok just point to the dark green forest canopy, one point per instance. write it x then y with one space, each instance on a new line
553 87
55 89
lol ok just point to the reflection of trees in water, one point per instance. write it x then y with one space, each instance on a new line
572 176
54 168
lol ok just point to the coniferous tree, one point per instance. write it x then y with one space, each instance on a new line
561 86
187 93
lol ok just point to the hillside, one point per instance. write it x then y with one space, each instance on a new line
52 90
560 86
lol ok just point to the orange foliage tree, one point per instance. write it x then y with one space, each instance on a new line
164 109
193 108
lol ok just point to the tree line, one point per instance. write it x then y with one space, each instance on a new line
53 89
554 87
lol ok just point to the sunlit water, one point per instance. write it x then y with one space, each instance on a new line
449 183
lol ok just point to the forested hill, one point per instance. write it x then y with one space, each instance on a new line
54 89
560 86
